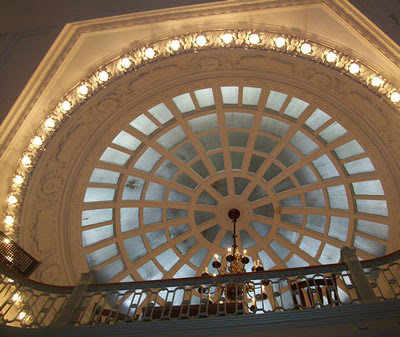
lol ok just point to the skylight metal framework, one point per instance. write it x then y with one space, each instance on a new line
157 202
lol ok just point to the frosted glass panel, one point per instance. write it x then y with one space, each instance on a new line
359 166
267 262
114 157
127 141
317 119
310 245
337 197
94 216
303 143
99 194
149 271
279 249
230 95
144 125
369 246
135 248
104 176
325 167
330 254
172 137
349 149
147 160
275 100
203 123
338 228
370 187
185 271
239 120
295 107
95 235
273 127
377 207
332 132
184 103
251 95
167 259
161 113
296 262
377 230
204 97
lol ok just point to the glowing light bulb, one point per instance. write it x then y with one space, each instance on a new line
37 141
227 38
6 240
395 97
244 251
214 275
49 123
18 179
66 106
229 250
21 315
126 62
201 40
216 256
16 297
149 53
103 76
254 38
8 220
376 81
305 48
83 90
26 160
12 200
354 68
280 42
331 57
175 45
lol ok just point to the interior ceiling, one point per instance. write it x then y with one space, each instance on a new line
146 194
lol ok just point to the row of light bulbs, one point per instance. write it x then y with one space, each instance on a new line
125 63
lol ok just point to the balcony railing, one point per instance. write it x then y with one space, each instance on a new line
25 303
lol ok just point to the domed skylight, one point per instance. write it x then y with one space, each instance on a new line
157 202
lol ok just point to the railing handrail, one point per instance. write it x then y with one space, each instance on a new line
270 274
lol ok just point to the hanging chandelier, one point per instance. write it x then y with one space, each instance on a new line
235 264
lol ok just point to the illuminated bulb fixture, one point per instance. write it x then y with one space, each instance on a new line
149 53
26 160
227 38
280 42
126 62
16 298
254 38
37 141
18 179
49 123
21 315
83 90
103 76
66 106
201 40
8 220
354 68
376 81
305 48
175 45
395 97
331 57
12 200
6 241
